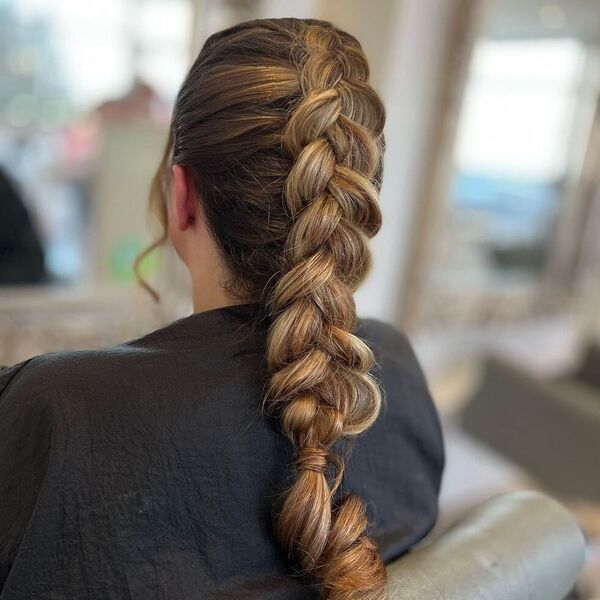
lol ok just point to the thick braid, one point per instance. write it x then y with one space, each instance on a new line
320 385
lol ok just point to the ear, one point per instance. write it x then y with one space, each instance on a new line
184 204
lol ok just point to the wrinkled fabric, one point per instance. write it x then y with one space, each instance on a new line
147 471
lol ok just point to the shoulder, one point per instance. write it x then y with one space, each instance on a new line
48 376
408 404
391 346
408 426
7 374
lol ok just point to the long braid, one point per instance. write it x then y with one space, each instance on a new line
320 385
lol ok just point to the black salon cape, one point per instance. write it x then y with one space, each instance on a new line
147 471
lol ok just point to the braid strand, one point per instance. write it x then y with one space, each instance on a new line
320 385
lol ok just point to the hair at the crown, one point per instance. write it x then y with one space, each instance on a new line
283 136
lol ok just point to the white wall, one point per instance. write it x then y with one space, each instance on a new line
279 9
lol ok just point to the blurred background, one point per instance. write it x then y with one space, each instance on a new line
490 252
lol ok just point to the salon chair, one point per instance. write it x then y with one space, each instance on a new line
517 546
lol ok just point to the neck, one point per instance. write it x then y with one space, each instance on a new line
208 294
207 297
207 277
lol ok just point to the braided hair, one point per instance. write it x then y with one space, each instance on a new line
282 134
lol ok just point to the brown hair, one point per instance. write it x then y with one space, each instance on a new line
282 135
